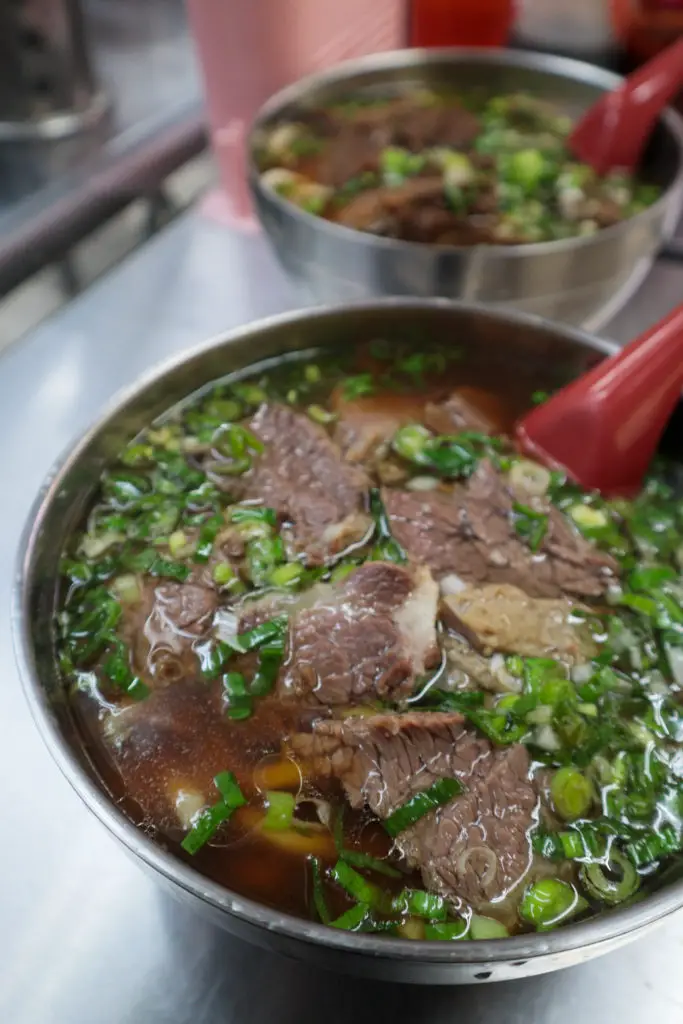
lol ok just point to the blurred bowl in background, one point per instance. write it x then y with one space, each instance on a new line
582 280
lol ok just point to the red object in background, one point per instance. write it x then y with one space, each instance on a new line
644 27
604 427
460 22
614 131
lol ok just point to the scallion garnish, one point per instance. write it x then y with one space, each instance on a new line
319 901
280 810
419 903
360 888
612 883
209 820
549 902
353 919
441 792
386 547
530 524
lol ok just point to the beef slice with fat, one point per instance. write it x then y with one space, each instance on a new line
303 476
370 636
476 847
470 533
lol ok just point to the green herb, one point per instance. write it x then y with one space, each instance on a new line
613 883
441 792
387 547
280 812
446 931
253 514
239 704
207 537
209 820
530 524
319 901
549 902
419 903
360 888
356 387
358 859
352 920
572 793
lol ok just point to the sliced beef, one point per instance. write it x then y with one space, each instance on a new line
384 210
466 409
470 534
500 617
437 125
372 635
302 475
353 150
385 760
476 847
164 626
366 425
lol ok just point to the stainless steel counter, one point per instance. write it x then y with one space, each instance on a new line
85 937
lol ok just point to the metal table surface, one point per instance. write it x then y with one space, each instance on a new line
53 192
85 936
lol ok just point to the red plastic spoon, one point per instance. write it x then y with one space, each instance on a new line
604 427
614 131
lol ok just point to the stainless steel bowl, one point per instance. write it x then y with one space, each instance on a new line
579 280
508 343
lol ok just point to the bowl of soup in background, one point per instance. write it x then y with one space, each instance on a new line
579 280
508 346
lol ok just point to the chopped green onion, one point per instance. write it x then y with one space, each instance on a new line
360 888
487 928
252 394
319 901
209 820
207 537
446 931
572 793
288 575
441 792
653 846
270 659
601 884
280 811
253 513
359 859
341 571
530 524
224 575
410 442
312 373
238 700
419 903
356 387
387 548
273 629
320 415
178 543
588 517
549 901
352 920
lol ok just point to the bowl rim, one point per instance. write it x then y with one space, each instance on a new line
566 67
601 931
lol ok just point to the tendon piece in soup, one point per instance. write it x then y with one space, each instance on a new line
439 168
333 640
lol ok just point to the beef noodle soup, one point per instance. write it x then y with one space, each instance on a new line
332 640
430 167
